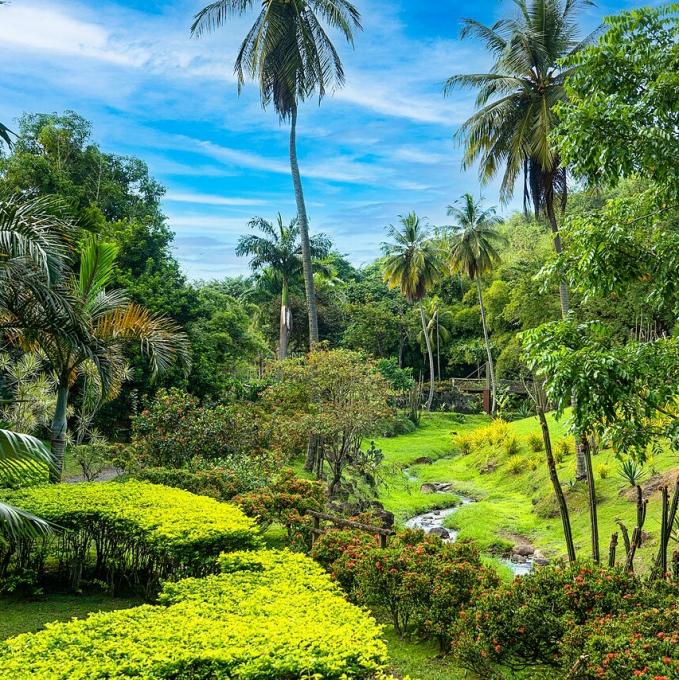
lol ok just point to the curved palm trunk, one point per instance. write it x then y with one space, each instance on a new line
285 323
491 367
58 434
304 233
431 359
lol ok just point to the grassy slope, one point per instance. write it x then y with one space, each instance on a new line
509 501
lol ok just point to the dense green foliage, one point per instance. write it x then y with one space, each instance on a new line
269 615
533 622
126 533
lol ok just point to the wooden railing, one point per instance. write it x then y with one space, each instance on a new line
317 530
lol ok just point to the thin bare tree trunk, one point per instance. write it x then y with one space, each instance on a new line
593 518
556 484
491 367
564 298
304 234
431 359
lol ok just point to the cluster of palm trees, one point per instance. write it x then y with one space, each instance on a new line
415 260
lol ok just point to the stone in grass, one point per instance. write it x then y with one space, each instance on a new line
441 532
428 488
424 460
524 550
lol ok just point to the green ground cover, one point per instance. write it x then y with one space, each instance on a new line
515 504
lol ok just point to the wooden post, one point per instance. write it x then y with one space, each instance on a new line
317 526
383 540
611 549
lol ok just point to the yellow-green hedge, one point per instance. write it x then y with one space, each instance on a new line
272 615
133 531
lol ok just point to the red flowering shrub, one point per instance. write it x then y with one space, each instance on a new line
286 500
525 623
340 550
643 643
421 583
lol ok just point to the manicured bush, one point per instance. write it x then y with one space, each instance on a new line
466 443
270 616
524 624
132 532
516 465
511 446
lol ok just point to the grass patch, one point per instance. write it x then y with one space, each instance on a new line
29 616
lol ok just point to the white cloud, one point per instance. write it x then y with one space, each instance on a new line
209 199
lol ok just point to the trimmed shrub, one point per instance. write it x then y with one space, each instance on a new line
219 482
270 616
603 470
466 443
512 446
129 532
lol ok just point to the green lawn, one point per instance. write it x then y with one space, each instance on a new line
26 616
513 504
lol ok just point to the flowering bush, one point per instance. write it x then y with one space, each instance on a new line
643 643
420 582
285 500
131 532
525 623
270 615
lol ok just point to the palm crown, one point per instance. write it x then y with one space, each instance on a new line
516 99
412 260
279 247
475 244
287 49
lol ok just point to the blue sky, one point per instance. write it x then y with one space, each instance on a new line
380 147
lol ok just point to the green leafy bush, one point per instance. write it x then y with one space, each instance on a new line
536 442
642 643
286 499
175 431
269 616
130 533
525 623
222 482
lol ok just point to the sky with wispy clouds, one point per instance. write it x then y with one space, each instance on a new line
381 146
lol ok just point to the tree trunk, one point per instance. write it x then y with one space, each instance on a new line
594 522
304 234
58 434
491 368
431 359
564 298
285 323
558 491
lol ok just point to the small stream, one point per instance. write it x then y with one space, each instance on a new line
434 522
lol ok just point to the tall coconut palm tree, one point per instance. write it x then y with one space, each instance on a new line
106 321
280 249
289 53
413 264
510 131
474 251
